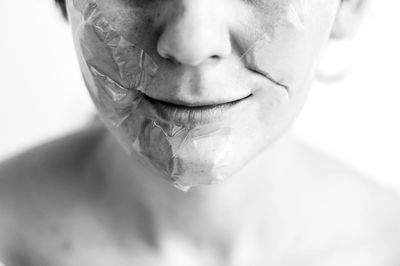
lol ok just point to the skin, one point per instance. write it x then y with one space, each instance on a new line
93 204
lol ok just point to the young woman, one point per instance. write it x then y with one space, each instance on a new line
196 166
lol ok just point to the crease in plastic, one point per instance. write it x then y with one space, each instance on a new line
296 14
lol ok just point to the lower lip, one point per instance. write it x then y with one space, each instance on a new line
190 116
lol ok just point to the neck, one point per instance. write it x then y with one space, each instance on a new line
216 213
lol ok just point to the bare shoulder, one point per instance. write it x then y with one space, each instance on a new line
65 153
49 163
42 184
360 217
42 169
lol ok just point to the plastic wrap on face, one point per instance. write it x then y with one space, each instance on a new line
296 14
135 67
118 74
174 150
260 55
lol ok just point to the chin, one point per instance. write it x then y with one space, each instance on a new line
197 160
189 160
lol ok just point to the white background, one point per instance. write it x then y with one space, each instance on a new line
355 119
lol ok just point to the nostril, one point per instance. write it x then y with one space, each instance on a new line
171 59
168 57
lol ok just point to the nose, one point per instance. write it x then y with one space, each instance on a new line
194 33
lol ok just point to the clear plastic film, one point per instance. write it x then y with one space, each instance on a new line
118 73
291 17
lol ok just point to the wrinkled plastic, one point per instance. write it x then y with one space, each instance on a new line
119 93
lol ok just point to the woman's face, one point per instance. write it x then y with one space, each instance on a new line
199 87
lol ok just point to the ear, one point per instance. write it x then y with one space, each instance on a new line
348 18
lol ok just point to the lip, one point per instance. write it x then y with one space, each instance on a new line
186 115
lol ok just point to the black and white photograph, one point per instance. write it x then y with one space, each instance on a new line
199 133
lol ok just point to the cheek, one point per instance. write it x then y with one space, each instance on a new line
104 49
115 69
288 44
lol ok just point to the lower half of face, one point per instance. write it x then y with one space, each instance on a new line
197 88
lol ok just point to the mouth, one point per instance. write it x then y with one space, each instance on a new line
186 114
